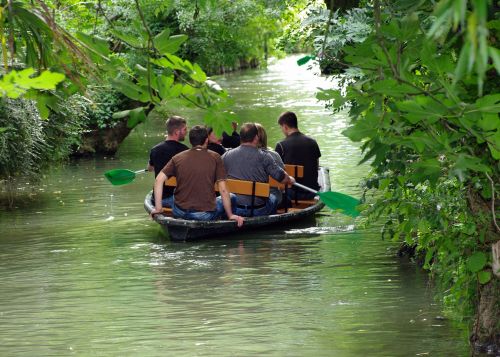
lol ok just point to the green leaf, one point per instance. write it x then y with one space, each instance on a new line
122 114
14 84
132 40
46 80
94 43
429 169
198 74
161 39
363 128
489 103
484 276
494 152
169 45
476 262
422 108
164 85
331 95
464 163
137 115
495 57
489 121
128 88
219 120
175 91
44 103
463 59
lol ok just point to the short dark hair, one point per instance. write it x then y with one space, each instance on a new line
248 132
174 123
197 135
289 119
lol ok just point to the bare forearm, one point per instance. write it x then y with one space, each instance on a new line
226 201
158 190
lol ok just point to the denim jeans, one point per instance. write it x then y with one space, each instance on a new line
204 215
168 202
269 208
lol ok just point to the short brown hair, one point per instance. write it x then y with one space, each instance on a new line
197 135
248 132
289 119
175 123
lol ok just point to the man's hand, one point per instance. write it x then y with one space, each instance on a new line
238 219
154 212
234 125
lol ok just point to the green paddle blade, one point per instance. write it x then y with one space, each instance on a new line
340 201
120 176
302 61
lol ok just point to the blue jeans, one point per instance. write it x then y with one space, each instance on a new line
195 215
168 202
269 208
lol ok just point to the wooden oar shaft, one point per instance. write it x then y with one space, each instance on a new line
305 188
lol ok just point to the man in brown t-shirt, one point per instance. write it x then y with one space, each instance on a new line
196 171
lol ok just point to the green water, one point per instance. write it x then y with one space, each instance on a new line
84 272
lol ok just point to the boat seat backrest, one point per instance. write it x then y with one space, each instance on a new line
292 170
240 187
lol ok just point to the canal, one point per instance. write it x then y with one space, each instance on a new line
84 272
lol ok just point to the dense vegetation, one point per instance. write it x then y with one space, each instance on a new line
114 62
420 82
421 88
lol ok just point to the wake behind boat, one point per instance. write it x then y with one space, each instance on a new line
187 230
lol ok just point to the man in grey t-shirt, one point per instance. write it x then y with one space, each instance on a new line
248 162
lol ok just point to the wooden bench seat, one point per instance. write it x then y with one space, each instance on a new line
258 189
240 187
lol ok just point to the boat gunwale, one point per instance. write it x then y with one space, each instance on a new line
213 226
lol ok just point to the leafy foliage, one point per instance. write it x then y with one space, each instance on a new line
422 93
329 32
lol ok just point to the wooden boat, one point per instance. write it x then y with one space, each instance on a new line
187 230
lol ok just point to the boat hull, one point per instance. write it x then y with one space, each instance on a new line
187 230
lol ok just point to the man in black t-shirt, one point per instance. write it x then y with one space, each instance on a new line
299 149
164 151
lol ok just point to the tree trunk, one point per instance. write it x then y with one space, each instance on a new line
103 141
485 337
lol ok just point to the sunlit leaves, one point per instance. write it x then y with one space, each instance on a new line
14 84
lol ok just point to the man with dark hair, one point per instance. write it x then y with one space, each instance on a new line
299 149
164 151
196 171
248 162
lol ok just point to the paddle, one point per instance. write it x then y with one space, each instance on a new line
122 176
336 200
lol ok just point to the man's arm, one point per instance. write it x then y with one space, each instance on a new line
226 201
158 192
150 167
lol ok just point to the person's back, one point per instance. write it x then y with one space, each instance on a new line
161 153
196 171
248 162
299 149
